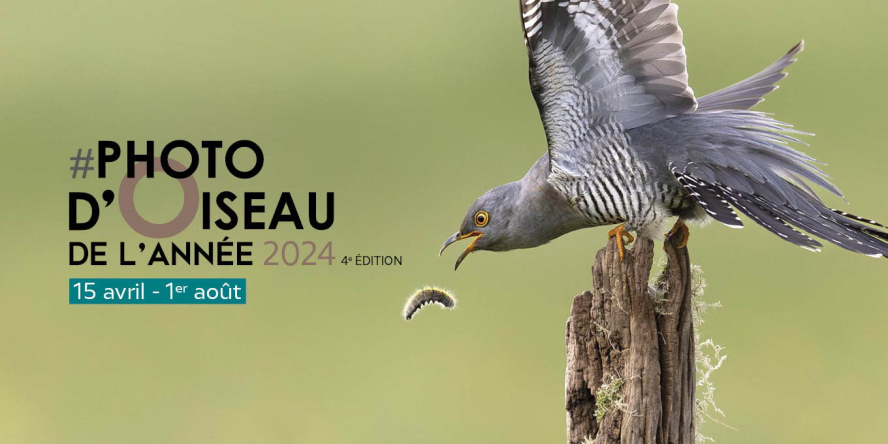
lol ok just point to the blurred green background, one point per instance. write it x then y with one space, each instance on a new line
408 111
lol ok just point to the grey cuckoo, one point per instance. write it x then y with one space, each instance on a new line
629 143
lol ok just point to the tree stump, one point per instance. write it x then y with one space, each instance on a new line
630 374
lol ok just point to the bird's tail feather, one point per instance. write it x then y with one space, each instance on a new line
742 159
826 225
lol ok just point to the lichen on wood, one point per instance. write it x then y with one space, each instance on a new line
643 336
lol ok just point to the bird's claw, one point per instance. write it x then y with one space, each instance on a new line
680 227
623 237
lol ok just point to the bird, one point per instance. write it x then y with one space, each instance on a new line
629 144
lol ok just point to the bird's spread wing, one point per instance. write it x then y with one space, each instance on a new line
601 67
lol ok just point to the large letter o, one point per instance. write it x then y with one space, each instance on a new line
127 192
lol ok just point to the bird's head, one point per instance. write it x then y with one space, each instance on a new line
487 222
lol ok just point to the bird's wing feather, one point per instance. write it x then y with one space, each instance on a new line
750 92
601 67
743 158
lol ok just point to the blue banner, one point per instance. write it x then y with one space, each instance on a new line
157 291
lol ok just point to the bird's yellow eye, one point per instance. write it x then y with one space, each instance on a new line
481 218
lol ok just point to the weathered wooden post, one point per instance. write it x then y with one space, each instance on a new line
630 374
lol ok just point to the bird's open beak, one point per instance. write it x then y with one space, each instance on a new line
457 237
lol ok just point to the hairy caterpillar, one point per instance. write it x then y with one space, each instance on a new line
425 296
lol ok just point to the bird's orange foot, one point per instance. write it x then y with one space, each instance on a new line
623 237
680 227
